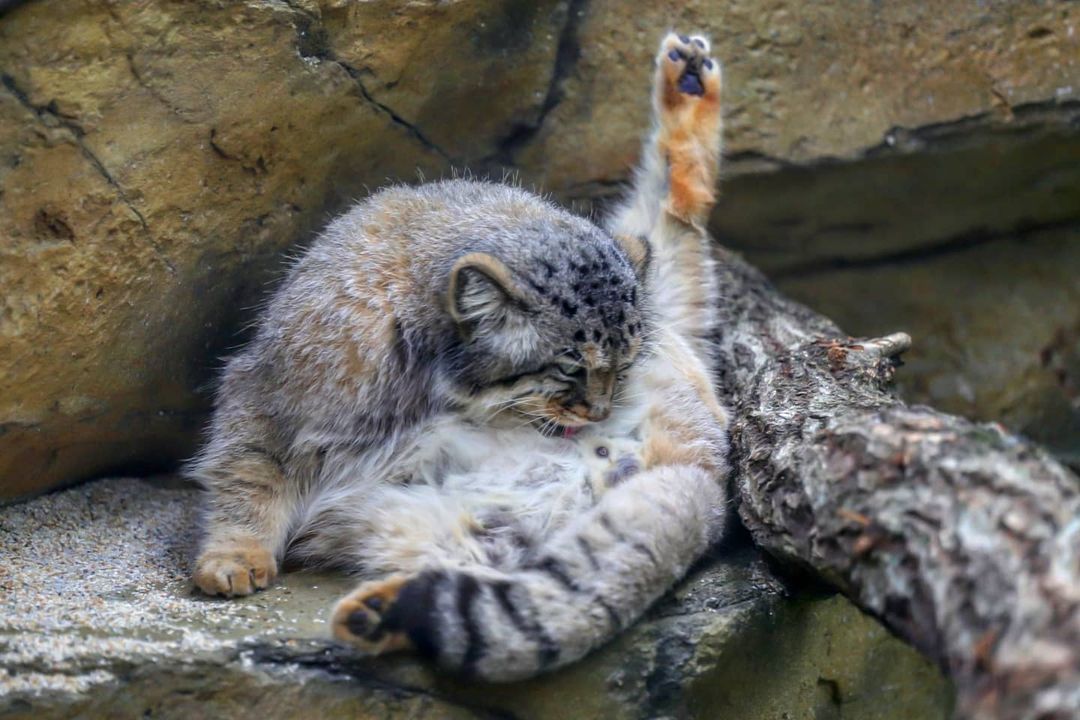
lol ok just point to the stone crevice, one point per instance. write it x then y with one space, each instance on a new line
567 54
77 134
936 137
340 663
154 92
410 128
312 41
926 251
1033 116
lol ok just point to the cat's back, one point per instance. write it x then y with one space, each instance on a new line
390 254
392 251
423 228
365 303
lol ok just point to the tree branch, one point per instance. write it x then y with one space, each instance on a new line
962 538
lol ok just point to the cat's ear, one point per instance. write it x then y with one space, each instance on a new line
482 289
638 249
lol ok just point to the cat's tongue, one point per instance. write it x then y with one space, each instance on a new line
569 432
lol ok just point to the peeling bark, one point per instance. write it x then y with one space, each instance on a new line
962 538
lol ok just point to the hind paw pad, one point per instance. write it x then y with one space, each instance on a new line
686 69
360 617
687 101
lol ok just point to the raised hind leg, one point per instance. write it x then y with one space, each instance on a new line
680 160
675 188
687 107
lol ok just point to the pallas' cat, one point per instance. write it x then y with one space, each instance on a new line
497 414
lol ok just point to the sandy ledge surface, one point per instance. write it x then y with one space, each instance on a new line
98 619
100 573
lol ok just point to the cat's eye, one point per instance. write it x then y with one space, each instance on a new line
602 452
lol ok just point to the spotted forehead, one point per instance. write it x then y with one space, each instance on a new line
601 347
595 290
578 276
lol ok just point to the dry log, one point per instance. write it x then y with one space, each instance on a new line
962 538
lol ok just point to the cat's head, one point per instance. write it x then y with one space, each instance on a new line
549 329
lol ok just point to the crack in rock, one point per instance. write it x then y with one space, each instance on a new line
385 109
154 92
312 41
974 238
934 137
337 662
77 133
567 54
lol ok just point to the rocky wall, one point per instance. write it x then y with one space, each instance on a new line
158 159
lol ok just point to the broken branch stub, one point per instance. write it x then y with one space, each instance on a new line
962 538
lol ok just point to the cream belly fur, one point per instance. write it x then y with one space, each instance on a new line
456 493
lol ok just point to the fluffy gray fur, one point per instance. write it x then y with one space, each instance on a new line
463 393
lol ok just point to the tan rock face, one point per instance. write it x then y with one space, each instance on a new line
156 159
808 81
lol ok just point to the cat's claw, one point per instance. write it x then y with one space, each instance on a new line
235 570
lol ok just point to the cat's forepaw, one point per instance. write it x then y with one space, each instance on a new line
365 619
234 569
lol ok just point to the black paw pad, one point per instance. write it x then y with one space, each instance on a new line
360 624
415 612
690 84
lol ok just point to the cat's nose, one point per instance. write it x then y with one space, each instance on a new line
598 412
593 413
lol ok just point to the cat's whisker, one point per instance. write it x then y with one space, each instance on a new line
518 405
526 421
627 399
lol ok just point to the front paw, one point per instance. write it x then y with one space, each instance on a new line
235 569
